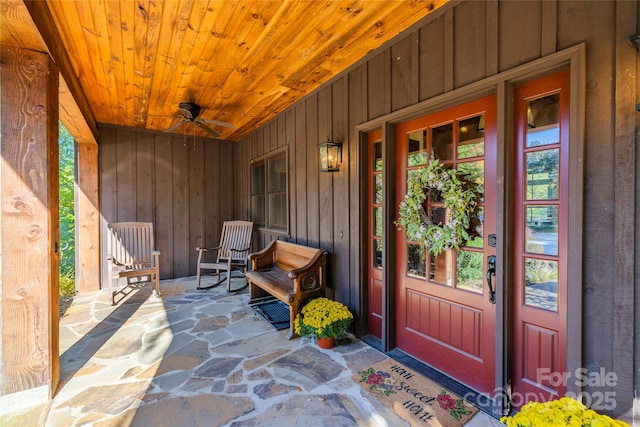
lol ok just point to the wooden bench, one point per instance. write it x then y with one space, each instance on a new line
290 272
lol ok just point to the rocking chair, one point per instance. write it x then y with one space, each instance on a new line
231 254
132 256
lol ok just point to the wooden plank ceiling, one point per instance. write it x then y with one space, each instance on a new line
242 61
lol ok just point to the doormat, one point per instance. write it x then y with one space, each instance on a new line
273 311
415 398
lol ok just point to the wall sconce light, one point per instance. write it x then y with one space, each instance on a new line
330 154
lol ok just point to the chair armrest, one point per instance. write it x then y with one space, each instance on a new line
239 250
309 266
207 249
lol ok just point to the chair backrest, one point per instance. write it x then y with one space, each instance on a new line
131 244
235 235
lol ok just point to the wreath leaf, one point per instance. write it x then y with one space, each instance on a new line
460 195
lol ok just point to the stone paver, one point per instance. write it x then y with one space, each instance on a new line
200 358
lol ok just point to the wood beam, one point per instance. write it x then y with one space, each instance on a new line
87 205
29 219
43 20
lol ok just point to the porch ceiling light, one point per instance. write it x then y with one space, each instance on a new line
330 155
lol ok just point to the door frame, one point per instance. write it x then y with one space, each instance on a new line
502 84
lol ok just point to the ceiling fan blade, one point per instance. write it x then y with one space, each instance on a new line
217 122
206 128
175 126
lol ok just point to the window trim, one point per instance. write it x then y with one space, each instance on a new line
265 158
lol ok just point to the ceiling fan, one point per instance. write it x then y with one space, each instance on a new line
190 112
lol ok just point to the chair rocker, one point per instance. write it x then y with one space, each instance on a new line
132 255
231 254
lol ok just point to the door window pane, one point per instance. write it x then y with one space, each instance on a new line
377 253
541 283
476 230
417 149
475 171
542 174
471 137
441 268
469 273
416 260
377 186
541 236
542 121
377 222
442 142
377 156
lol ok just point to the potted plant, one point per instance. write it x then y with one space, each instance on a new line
324 320
561 412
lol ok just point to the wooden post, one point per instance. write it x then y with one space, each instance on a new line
87 218
28 227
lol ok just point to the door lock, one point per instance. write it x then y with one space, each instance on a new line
491 271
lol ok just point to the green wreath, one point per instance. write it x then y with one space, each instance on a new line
460 195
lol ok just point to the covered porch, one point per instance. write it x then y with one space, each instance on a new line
200 358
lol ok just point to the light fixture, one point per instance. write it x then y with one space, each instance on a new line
330 154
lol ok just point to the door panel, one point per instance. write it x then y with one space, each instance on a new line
444 316
540 237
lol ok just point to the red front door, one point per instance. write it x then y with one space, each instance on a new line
444 313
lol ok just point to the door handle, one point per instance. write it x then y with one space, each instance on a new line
491 271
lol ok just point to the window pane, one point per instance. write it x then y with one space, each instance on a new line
442 142
377 185
438 216
469 273
471 137
377 222
417 149
541 283
416 260
257 210
377 253
441 268
542 174
475 171
278 174
476 230
377 156
258 179
542 229
542 121
278 210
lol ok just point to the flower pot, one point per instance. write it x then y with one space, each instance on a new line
325 342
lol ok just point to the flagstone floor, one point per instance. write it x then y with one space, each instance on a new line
200 358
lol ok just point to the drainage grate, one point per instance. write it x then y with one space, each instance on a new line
273 311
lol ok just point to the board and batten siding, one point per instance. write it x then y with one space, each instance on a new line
184 186
463 43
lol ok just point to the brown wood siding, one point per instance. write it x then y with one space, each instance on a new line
184 186
463 44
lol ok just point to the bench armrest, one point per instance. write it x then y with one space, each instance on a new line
312 264
264 258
